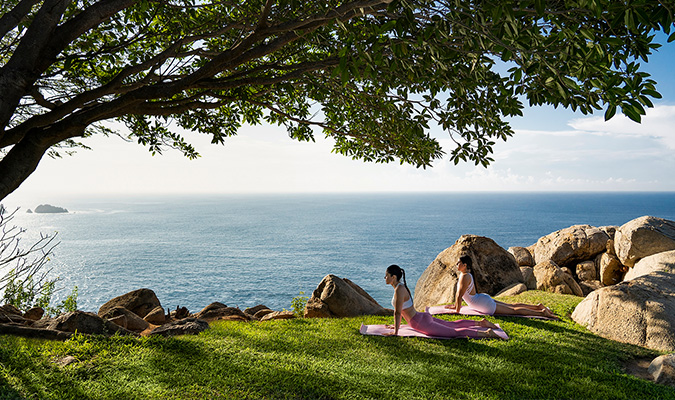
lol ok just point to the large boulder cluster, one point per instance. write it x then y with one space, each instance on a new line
626 275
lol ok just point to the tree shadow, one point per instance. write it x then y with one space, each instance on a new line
326 359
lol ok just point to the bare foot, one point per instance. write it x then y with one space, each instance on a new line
487 324
549 313
491 334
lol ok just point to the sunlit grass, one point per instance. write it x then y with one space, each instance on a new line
328 358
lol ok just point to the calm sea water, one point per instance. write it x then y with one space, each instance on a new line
243 250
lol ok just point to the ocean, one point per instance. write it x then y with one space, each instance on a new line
244 250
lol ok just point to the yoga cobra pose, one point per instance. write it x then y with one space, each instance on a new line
485 304
424 322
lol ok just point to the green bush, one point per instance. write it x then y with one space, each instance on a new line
26 284
298 304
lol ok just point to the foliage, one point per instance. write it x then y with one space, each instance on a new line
328 358
298 304
372 75
25 283
26 294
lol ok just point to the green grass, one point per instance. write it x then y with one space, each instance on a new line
328 358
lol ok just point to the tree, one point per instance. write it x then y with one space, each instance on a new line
371 74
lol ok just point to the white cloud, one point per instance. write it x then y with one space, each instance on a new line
658 123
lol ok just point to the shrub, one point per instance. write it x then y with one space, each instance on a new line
298 304
26 283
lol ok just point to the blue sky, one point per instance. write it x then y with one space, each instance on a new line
552 150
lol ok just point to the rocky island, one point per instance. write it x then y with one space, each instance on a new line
49 209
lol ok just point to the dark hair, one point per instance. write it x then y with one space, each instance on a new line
399 273
466 260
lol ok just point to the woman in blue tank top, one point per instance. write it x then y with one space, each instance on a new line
483 303
424 322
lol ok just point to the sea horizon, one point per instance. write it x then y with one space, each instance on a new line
247 249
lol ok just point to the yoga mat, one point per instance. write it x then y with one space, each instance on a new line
436 310
406 331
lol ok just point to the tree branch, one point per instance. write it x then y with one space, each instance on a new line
12 18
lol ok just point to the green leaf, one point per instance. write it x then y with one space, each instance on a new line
611 111
630 112
652 93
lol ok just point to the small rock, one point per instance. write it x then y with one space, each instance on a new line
589 286
215 311
67 360
611 270
262 313
156 316
84 322
550 277
139 302
120 320
522 255
279 315
662 369
254 310
528 277
186 326
516 288
34 314
180 313
133 321
586 271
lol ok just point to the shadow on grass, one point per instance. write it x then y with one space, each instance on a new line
7 392
570 364
326 359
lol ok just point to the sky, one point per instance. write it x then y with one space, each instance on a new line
552 150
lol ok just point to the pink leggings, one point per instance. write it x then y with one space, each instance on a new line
425 323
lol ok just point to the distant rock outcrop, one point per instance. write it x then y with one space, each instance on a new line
49 209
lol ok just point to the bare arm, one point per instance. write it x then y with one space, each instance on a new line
398 307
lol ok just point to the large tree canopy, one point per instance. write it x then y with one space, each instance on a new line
373 75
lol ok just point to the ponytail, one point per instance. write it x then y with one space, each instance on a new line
399 273
405 284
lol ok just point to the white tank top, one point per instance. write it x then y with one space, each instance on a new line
406 304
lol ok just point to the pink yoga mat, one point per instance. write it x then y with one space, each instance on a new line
407 331
436 310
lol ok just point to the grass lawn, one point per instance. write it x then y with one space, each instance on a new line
328 358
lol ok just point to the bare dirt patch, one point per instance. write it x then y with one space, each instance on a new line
638 367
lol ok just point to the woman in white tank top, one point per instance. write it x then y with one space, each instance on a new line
483 303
